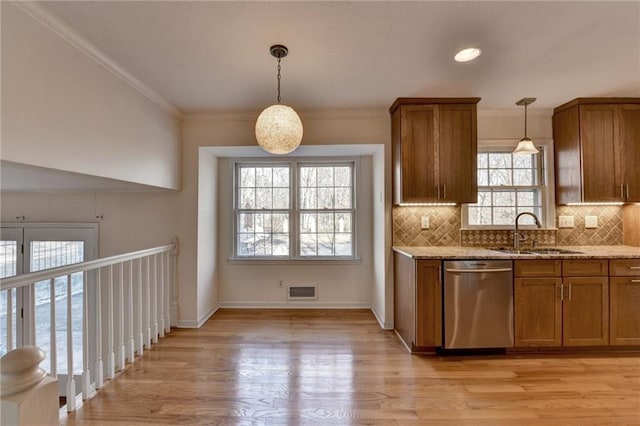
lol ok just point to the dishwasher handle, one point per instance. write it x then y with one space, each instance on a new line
479 271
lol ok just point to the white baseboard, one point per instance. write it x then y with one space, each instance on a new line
385 325
199 322
294 305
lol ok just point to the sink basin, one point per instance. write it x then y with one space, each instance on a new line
553 250
541 250
511 251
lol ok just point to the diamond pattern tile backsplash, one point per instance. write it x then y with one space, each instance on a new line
446 228
608 232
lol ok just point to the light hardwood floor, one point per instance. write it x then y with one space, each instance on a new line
335 367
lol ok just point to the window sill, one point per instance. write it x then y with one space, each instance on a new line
323 261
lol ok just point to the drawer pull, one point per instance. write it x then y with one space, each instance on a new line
635 281
634 267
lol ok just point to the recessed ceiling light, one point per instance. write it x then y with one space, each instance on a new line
469 54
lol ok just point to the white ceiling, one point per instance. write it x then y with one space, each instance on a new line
212 57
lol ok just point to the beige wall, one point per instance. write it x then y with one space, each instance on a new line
62 110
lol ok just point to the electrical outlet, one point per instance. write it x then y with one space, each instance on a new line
424 222
565 222
591 222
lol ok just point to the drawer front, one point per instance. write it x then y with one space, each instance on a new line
537 268
624 267
585 268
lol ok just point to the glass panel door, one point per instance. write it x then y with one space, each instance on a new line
47 248
10 265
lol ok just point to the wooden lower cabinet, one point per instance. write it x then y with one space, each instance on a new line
585 311
418 302
566 309
624 302
538 312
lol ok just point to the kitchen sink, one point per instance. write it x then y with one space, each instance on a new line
540 250
553 250
511 251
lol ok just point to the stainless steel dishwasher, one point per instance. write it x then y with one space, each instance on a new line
478 304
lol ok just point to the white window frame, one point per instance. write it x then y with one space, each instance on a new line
294 209
548 184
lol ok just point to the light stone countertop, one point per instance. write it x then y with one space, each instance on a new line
458 252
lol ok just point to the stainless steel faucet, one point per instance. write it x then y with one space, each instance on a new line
516 233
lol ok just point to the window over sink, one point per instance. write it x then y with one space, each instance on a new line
509 184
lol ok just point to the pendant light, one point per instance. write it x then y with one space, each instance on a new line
525 146
278 127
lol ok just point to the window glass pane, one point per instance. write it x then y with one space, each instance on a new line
343 198
343 244
526 219
325 244
342 176
504 215
504 198
281 198
280 223
523 177
308 198
325 222
308 245
245 222
264 177
484 198
525 198
499 177
325 176
246 244
308 222
523 161
263 198
307 176
281 177
247 198
479 215
343 222
500 160
483 177
263 244
247 177
325 198
483 160
280 244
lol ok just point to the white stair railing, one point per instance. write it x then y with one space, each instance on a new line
126 306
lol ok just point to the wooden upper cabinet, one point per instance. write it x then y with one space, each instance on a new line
597 150
434 150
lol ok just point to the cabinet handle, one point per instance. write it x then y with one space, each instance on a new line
622 191
438 189
627 186
635 281
634 267
561 292
444 191
569 291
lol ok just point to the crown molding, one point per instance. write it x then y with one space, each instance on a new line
76 40
353 114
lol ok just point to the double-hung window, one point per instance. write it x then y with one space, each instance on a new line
294 210
509 184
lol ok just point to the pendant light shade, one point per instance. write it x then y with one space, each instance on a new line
278 127
525 146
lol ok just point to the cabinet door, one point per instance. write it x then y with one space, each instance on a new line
416 158
629 136
428 304
457 154
404 297
538 312
624 303
585 315
601 175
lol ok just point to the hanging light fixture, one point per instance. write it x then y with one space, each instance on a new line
525 146
278 127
